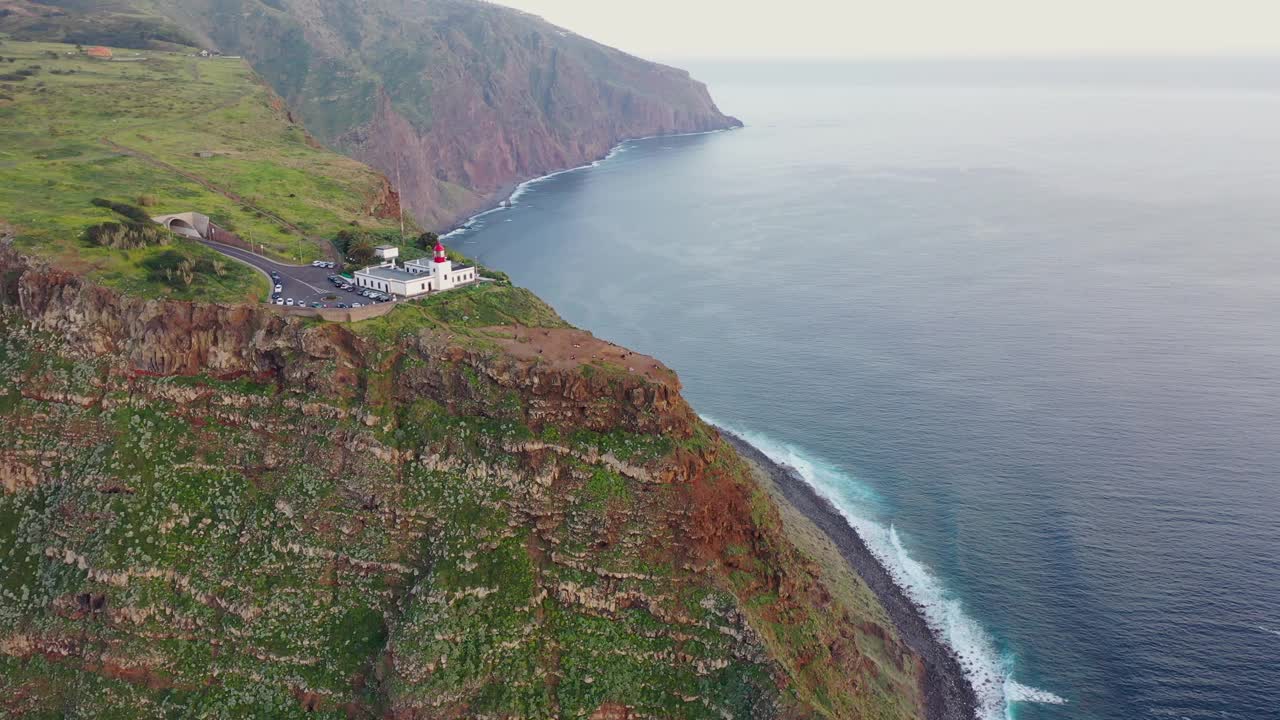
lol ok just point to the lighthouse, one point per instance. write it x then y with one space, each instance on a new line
417 277
441 271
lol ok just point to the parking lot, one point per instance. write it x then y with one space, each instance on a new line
304 284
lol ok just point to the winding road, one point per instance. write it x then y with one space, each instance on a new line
304 283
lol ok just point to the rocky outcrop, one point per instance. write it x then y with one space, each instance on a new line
162 338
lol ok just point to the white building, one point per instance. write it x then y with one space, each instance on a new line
386 252
417 277
440 272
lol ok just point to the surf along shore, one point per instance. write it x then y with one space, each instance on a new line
509 195
948 695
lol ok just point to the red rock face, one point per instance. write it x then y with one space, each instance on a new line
455 101
500 97
485 148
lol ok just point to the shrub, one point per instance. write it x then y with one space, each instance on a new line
493 274
127 235
179 270
360 251
344 238
148 200
172 268
135 214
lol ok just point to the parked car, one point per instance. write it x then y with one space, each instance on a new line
342 305
356 305
279 301
279 287
289 302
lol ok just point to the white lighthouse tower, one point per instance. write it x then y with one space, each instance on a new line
441 266
438 272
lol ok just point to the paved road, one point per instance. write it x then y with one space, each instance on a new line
304 283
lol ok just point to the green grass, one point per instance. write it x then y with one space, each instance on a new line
266 180
477 306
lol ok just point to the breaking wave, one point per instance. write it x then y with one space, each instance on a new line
472 223
988 672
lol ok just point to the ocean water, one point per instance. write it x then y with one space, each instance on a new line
1020 321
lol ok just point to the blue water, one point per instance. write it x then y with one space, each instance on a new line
1021 321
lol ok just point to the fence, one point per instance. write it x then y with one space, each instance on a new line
337 314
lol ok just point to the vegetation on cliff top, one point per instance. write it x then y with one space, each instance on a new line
79 129
456 99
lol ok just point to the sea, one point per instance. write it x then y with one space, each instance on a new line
1018 319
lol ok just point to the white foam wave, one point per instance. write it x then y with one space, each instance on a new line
514 198
1269 630
988 673
1017 692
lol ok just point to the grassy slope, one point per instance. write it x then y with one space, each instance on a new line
55 157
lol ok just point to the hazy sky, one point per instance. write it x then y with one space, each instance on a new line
662 29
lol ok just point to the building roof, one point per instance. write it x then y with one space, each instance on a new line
385 247
389 273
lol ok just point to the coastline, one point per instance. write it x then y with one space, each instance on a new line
947 692
511 193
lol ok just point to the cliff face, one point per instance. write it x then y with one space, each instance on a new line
226 510
454 100
458 99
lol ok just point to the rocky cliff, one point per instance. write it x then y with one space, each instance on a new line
222 510
454 100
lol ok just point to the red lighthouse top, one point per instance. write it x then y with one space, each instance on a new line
440 252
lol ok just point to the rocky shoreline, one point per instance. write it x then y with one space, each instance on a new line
948 694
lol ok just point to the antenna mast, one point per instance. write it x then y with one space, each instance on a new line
399 205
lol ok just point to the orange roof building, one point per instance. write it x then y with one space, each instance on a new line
98 51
